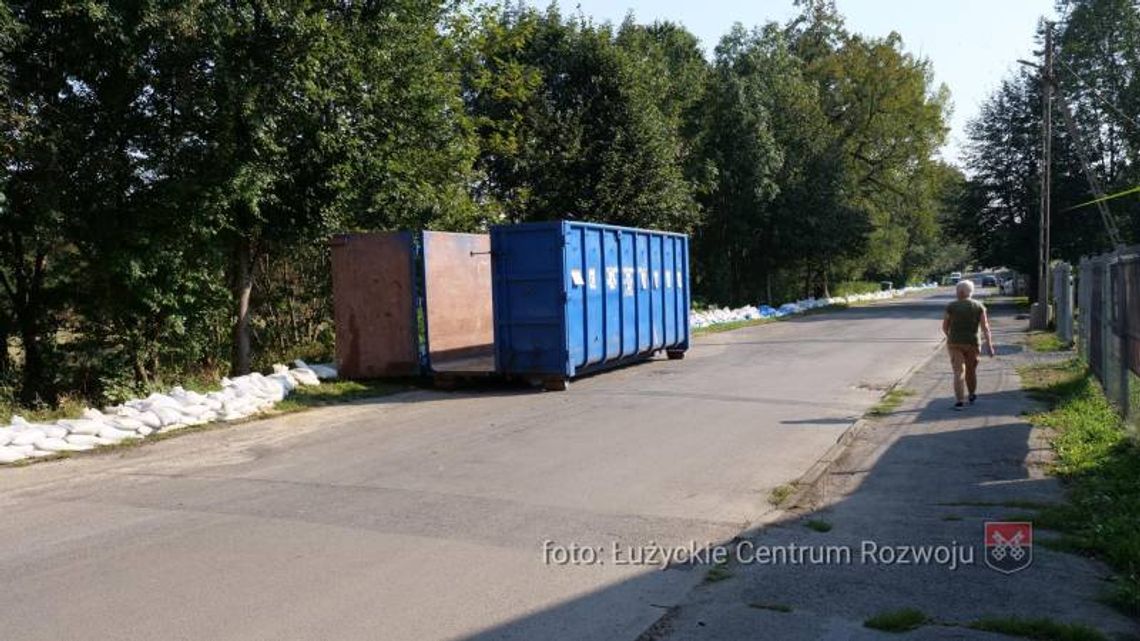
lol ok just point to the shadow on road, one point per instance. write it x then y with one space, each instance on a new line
937 484
886 498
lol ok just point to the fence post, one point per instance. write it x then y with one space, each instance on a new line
1063 294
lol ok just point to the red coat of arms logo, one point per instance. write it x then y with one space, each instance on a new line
1009 545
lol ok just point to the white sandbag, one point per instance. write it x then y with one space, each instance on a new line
52 444
325 371
93 414
83 439
54 431
12 454
149 419
305 376
5 436
111 434
194 411
123 410
272 389
126 423
185 397
287 382
158 401
169 416
27 437
82 426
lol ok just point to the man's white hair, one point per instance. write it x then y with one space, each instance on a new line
965 288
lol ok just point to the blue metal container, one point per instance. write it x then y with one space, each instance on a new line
572 297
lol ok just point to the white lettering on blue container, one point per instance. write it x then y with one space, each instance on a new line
611 278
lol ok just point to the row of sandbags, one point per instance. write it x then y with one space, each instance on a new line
238 398
710 317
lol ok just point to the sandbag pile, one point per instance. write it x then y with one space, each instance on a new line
239 397
710 317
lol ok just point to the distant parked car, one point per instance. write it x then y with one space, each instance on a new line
955 277
989 281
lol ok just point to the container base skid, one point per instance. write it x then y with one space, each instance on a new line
555 384
675 354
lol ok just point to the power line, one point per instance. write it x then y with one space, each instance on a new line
1101 199
1099 96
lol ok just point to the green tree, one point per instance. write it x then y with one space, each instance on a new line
569 124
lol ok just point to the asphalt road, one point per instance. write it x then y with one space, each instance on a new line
424 515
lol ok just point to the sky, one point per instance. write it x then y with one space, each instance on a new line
972 44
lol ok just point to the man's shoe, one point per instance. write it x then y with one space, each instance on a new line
959 406
973 397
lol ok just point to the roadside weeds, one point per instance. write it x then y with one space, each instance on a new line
1100 464
1040 629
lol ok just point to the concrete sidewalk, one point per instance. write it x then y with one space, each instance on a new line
924 475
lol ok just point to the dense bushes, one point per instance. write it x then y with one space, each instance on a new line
173 169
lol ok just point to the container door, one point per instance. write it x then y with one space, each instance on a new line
530 307
656 300
628 268
459 323
611 302
668 267
644 317
374 307
575 277
681 282
595 294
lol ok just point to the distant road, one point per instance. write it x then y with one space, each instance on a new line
423 516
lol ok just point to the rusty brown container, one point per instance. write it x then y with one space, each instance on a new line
374 305
408 304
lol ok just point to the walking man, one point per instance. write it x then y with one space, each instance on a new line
960 325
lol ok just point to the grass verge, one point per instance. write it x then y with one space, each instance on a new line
335 392
1043 629
1045 342
818 525
890 402
903 620
1101 465
718 572
780 493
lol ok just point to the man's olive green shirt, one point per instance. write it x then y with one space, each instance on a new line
965 318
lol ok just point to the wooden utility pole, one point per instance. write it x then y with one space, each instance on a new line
1041 312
